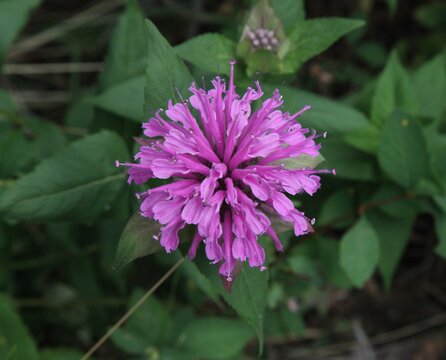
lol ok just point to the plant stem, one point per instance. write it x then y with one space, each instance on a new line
129 313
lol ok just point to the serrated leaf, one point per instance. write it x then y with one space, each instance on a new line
402 150
330 263
216 338
311 37
210 52
165 73
77 184
137 240
359 252
15 341
393 90
393 236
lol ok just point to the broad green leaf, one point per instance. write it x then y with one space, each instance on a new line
216 338
393 236
325 114
359 252
372 53
13 16
311 37
330 263
21 148
430 87
125 99
365 139
393 90
165 74
348 162
248 293
210 52
77 184
402 150
60 354
15 341
290 12
137 240
126 58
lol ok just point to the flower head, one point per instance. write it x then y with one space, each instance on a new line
224 160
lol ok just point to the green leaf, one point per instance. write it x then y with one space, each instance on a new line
395 201
325 114
348 162
21 148
77 184
216 338
402 150
393 236
210 52
393 90
247 296
125 99
330 263
365 139
137 240
336 209
392 5
13 16
127 56
289 12
430 87
122 81
15 341
165 73
311 37
359 252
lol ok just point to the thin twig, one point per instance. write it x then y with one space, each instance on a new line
51 68
132 310
57 31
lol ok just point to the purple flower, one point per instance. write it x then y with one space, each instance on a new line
224 160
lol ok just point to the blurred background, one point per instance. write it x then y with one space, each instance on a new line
368 284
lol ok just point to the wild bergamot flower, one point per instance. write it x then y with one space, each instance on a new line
226 171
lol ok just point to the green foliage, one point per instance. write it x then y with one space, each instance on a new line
137 240
64 204
215 338
359 252
15 340
210 52
393 90
311 37
13 16
402 151
81 191
166 75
